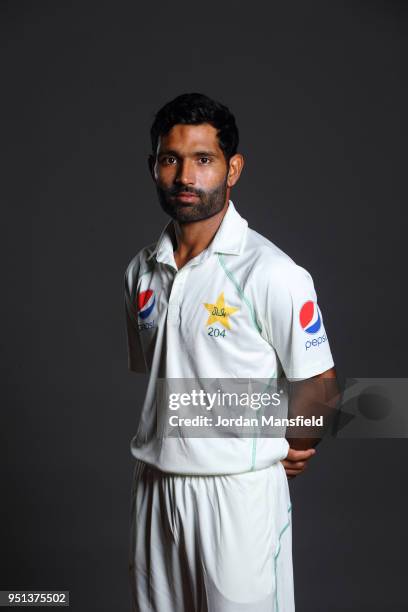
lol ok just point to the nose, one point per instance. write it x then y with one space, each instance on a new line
185 174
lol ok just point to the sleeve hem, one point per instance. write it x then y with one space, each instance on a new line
313 370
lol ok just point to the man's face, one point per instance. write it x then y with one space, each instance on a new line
190 172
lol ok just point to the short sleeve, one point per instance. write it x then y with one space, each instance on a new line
136 360
293 323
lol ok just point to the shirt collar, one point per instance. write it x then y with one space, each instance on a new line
229 238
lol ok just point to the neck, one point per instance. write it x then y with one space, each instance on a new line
193 238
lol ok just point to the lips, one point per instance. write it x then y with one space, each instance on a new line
185 196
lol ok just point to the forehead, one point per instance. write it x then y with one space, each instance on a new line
190 137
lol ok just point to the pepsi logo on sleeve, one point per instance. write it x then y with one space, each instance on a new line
146 301
310 319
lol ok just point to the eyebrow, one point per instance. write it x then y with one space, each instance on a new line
195 154
207 153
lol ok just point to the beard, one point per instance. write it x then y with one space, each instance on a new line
208 204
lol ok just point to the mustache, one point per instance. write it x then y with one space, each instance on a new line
174 191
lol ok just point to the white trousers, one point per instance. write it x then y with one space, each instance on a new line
211 543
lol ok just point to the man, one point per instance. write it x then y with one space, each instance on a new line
213 299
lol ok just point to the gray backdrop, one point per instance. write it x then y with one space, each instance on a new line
319 91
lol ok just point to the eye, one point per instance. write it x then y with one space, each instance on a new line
205 160
168 159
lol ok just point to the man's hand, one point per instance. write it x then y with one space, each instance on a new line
296 461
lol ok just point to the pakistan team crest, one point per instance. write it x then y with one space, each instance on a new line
220 312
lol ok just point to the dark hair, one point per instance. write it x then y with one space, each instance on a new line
194 109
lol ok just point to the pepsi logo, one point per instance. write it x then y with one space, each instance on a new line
310 318
145 303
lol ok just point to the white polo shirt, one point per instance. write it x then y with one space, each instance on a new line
242 308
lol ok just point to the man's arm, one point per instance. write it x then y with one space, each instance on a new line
316 396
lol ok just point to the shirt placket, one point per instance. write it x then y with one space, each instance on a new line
176 296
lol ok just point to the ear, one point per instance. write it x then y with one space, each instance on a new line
236 164
150 163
